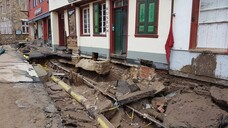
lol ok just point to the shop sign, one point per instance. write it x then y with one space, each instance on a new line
38 11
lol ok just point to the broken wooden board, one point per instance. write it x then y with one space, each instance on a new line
131 97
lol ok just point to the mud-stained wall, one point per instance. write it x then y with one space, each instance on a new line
205 65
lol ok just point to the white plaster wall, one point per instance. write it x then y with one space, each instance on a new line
55 4
151 45
221 70
54 28
93 41
182 24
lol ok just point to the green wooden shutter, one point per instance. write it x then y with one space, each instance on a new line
141 16
96 18
151 17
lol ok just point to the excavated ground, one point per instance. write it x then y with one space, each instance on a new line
183 103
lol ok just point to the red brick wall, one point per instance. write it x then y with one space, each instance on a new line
43 5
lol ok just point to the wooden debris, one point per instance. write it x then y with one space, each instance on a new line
125 99
144 115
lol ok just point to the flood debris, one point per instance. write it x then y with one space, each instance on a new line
2 50
145 115
122 95
100 67
219 96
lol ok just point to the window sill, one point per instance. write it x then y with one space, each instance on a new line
146 35
85 35
210 50
99 35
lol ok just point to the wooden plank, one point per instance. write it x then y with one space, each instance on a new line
131 97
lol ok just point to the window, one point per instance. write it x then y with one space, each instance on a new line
25 27
147 18
99 12
212 24
34 3
41 1
85 21
72 22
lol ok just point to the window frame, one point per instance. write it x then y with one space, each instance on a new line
82 33
75 32
35 3
101 12
146 35
25 26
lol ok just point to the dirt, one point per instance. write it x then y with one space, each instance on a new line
22 106
183 103
192 110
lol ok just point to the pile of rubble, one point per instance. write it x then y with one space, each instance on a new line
131 96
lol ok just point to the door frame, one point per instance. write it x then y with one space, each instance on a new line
112 45
194 24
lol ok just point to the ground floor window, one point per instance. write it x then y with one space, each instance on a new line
147 17
99 12
213 24
85 21
25 27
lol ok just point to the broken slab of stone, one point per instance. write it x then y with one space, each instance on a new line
40 70
128 98
100 67
219 95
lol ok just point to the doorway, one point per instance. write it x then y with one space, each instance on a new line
62 34
119 28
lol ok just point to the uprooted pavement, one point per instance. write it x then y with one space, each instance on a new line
135 97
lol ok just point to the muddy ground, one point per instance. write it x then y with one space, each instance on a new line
179 103
183 103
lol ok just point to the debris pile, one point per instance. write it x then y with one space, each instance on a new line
132 96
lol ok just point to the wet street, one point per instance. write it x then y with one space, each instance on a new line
24 102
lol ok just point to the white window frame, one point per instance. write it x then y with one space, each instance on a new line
87 16
41 1
25 26
103 18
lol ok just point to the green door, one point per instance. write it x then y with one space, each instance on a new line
120 30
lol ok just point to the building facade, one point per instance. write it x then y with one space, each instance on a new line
188 38
128 30
13 19
39 21
201 40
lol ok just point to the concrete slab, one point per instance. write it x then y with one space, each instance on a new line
15 69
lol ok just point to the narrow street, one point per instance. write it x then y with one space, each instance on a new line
113 63
24 101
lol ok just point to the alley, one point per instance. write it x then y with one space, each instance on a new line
24 102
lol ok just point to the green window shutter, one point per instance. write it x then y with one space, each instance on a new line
152 12
141 16
96 18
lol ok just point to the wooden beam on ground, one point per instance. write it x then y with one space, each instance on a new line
134 96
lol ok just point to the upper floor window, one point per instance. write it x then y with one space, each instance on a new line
147 18
86 20
41 1
34 3
99 12
25 27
